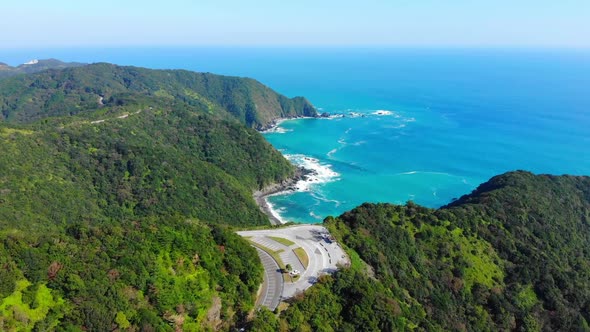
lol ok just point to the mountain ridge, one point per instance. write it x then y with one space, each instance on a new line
78 90
35 66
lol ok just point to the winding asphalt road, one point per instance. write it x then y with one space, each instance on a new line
324 258
272 288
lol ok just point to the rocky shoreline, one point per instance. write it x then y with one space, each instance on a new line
276 122
285 186
272 125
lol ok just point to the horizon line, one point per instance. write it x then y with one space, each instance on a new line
303 46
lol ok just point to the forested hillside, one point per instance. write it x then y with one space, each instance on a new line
114 214
158 162
153 274
513 255
83 90
117 223
119 188
35 67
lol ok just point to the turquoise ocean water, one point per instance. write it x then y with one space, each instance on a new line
427 125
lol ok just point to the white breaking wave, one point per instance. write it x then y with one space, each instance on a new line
275 212
322 173
400 126
355 114
423 172
277 130
331 153
335 116
315 216
386 113
382 112
322 198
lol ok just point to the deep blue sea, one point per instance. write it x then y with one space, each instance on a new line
427 125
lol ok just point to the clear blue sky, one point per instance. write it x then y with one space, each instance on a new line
481 23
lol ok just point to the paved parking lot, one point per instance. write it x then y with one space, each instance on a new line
324 257
287 255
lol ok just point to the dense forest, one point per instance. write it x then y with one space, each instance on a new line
121 188
155 274
513 255
158 162
114 209
84 90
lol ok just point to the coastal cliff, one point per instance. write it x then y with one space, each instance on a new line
78 90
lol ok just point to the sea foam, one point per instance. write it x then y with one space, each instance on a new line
424 172
322 173
274 211
331 153
277 130
386 113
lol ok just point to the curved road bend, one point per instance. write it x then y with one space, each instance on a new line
273 279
